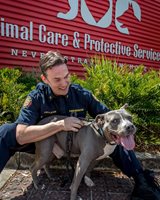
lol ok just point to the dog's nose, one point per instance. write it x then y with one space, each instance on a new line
130 127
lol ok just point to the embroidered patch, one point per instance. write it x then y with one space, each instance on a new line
28 102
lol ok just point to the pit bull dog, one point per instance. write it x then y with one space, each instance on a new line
94 141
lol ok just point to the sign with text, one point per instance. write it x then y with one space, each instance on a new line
123 30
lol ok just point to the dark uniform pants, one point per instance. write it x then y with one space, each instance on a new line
125 160
9 145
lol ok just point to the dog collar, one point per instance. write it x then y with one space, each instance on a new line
100 131
97 129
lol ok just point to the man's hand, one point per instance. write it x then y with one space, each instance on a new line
72 124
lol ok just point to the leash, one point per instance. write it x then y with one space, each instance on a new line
69 144
69 163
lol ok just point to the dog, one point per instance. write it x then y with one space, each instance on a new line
94 141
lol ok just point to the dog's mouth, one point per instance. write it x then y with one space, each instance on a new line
127 142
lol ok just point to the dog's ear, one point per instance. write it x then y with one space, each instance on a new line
100 119
124 106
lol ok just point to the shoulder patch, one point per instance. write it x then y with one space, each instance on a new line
28 102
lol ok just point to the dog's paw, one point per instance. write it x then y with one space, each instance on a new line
88 181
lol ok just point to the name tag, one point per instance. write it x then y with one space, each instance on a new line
76 110
50 112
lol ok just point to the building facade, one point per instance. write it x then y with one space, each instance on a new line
127 31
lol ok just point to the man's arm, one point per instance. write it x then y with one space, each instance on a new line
33 133
95 107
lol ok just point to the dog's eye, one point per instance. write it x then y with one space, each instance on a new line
115 121
129 118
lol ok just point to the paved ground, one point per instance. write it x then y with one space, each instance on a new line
109 185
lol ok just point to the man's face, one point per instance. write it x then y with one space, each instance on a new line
58 79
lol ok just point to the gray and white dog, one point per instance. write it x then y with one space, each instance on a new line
94 141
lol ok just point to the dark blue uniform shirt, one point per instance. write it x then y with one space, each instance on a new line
42 102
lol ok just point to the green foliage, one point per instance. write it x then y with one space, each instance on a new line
111 84
115 86
30 80
14 86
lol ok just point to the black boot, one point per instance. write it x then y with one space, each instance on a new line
146 187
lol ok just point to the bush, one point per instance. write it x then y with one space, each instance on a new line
14 86
29 79
112 85
115 86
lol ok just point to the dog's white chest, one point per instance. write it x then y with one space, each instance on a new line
108 149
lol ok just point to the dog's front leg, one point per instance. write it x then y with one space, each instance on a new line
87 179
82 165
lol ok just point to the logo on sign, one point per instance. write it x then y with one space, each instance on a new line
121 7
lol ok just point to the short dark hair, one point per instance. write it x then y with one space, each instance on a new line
50 59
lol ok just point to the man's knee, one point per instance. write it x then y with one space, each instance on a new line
126 161
8 134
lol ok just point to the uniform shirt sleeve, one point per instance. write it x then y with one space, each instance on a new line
30 111
94 106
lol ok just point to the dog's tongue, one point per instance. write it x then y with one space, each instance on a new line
127 142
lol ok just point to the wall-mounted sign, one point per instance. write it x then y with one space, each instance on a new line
124 30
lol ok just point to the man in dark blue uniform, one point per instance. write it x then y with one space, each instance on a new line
56 95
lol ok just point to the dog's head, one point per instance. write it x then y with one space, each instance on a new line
117 126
